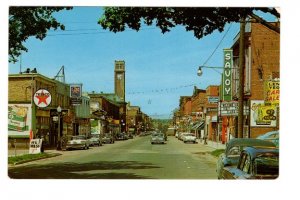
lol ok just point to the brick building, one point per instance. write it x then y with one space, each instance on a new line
262 67
25 118
211 112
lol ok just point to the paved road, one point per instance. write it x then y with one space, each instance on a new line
130 159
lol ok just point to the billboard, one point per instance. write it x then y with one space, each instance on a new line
262 115
19 120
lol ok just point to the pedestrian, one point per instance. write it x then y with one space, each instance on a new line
205 139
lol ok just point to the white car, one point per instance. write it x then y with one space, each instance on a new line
189 137
78 142
95 140
157 138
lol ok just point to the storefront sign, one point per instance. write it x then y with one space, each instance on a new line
272 89
213 99
262 115
212 109
42 98
227 80
231 108
19 120
35 146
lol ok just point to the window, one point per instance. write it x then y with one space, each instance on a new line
247 164
242 161
234 152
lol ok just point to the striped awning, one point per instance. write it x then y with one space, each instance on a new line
198 125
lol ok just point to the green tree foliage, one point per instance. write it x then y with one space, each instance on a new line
201 20
30 21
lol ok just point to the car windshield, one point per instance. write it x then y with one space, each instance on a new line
189 135
157 135
267 165
78 138
234 151
95 136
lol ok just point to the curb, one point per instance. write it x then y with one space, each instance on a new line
50 155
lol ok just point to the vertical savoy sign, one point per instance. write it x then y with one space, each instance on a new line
227 91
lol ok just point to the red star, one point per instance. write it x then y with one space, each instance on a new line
42 98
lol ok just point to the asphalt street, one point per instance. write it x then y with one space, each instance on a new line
131 159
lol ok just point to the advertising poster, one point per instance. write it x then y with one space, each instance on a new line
75 90
262 115
272 90
75 94
19 120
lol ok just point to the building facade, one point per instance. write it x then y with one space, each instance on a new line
28 120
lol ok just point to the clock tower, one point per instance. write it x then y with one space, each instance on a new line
120 79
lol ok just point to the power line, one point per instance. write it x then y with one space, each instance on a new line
217 48
164 90
90 33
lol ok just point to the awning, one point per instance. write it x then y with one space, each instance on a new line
198 125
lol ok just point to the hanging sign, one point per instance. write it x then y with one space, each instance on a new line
42 98
75 94
227 80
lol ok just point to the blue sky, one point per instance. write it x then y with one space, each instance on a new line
159 67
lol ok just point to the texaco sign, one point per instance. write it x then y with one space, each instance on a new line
42 98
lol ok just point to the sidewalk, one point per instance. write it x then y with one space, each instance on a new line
19 152
212 144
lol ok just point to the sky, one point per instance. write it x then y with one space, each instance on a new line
159 67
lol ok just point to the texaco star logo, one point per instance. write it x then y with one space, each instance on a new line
42 98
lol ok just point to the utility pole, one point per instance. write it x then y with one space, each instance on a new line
241 78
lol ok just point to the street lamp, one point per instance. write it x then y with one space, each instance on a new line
200 72
58 131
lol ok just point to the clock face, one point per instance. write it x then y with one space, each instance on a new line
119 76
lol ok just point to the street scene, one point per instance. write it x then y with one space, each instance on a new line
144 93
130 159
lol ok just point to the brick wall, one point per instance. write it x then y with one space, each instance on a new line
265 46
19 90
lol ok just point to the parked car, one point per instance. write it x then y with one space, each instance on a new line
233 149
255 163
120 136
108 138
130 136
157 138
272 136
180 136
189 137
78 142
95 140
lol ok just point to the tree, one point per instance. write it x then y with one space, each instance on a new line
201 20
30 21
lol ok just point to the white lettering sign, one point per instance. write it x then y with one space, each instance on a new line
35 146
